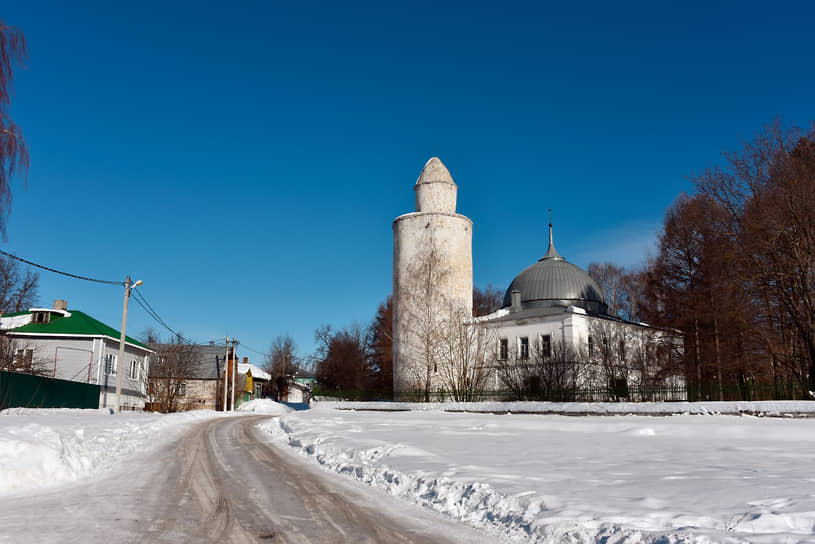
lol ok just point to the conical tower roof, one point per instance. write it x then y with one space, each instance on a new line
434 171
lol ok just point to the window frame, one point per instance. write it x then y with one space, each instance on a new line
546 345
523 347
111 364
503 349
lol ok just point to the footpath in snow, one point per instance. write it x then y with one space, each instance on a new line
539 477
44 448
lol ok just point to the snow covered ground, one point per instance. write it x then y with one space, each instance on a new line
556 478
45 448
532 475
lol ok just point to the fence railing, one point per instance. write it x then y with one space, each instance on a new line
626 393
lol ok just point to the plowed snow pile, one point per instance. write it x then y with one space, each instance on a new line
49 447
264 406
553 478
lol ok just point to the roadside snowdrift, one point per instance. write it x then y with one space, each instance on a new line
264 406
49 447
552 478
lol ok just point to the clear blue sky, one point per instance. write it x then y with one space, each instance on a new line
246 160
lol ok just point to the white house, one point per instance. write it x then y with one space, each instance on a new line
71 345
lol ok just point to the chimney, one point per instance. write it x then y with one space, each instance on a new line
516 302
246 360
61 304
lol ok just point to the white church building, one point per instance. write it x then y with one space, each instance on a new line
552 339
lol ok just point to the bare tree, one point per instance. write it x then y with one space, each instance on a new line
16 355
342 363
551 371
172 366
13 151
465 353
610 278
612 352
486 300
18 289
281 364
150 336
425 309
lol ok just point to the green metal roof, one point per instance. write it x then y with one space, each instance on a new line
79 324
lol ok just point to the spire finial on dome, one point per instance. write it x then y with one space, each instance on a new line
551 253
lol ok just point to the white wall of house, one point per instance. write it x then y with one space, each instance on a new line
572 329
83 359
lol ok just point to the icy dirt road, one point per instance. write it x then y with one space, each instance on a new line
222 482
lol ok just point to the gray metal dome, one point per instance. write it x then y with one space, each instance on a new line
552 282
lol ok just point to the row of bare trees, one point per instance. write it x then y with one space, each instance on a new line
735 272
357 361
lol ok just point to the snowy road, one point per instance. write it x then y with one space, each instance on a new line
222 482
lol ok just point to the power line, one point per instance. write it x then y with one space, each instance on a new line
139 298
250 349
59 271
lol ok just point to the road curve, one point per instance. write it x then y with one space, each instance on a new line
223 482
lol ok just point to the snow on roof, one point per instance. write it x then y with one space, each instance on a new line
257 372
65 313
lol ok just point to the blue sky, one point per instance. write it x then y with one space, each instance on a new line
246 160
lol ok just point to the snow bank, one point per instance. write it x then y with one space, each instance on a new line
42 448
264 406
550 478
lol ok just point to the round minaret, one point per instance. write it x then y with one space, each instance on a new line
432 273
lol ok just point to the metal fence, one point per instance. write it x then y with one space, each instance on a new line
28 391
619 393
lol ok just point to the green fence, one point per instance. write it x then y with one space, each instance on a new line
28 391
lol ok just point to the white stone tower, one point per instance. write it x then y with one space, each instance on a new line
432 272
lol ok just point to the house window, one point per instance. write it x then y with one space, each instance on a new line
524 351
25 356
41 317
110 363
503 349
546 345
182 390
622 350
134 370
591 346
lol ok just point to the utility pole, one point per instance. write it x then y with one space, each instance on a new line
120 361
226 372
234 371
